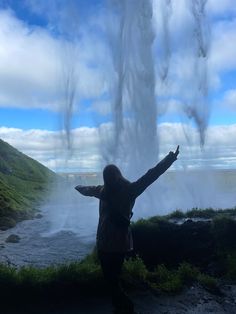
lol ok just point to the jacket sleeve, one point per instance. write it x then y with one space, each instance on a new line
94 191
139 186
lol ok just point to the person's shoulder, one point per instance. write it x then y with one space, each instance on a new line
125 184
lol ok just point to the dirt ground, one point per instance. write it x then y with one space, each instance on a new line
193 300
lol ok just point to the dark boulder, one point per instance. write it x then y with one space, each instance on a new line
13 238
6 223
38 216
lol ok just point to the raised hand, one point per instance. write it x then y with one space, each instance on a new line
176 153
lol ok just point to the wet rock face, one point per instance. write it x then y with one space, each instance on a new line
13 238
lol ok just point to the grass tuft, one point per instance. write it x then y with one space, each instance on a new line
208 282
134 270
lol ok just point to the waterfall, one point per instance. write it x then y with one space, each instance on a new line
135 141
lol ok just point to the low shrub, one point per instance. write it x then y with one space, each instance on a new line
201 213
8 276
165 280
230 271
177 214
208 282
134 272
188 273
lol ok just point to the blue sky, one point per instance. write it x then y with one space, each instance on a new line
41 40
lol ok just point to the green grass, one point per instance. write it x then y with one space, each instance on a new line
165 280
174 280
207 213
85 278
177 214
24 182
71 281
208 282
134 272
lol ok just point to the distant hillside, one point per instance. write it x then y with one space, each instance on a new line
23 184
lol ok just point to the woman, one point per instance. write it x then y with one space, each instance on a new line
114 239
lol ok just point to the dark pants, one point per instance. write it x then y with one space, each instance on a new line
111 264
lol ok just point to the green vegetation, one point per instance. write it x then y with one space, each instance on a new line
177 214
29 285
73 281
207 213
162 278
24 182
207 245
230 266
159 241
170 257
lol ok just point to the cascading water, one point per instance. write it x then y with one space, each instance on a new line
134 145
70 73
198 105
164 64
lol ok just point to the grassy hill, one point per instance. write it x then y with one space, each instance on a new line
23 184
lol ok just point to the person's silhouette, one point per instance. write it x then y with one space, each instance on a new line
114 239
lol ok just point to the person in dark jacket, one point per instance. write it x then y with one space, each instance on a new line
114 239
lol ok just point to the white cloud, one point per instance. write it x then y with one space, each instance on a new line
219 8
101 107
30 61
223 46
47 146
30 57
229 99
28 64
32 64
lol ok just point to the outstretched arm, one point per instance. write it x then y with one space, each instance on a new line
139 186
90 190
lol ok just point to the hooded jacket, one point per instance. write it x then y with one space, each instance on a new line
115 209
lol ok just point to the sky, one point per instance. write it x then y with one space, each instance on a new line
44 42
